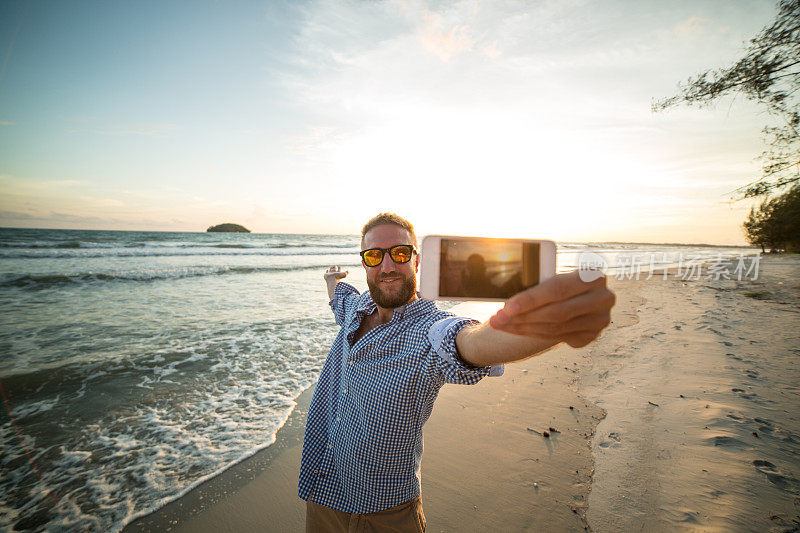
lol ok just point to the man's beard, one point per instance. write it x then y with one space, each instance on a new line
407 290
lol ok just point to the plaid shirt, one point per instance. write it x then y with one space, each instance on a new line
363 441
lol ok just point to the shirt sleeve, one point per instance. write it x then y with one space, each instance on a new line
343 296
449 366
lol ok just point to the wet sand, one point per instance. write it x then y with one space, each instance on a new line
658 461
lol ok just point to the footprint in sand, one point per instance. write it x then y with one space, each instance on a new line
785 482
615 437
684 516
744 394
752 374
726 442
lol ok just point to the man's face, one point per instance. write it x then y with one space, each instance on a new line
391 284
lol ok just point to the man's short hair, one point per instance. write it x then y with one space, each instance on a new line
388 218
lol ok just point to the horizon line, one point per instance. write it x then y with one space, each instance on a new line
358 235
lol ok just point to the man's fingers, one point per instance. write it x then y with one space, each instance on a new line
555 289
581 339
576 339
593 322
335 272
563 308
556 312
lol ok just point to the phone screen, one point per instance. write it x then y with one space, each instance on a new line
487 268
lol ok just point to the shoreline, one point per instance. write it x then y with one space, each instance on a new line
526 474
203 502
485 450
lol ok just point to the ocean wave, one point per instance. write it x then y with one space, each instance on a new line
68 245
145 253
43 281
71 245
136 448
318 244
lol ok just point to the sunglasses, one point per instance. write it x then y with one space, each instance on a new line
400 253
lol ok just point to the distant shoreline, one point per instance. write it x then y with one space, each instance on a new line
356 235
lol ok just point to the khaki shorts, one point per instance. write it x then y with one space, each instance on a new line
404 518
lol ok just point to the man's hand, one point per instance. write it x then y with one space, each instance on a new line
562 309
332 277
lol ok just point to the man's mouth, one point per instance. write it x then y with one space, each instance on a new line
390 280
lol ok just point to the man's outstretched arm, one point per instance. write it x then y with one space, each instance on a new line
562 309
332 277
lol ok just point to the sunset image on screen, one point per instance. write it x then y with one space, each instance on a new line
487 268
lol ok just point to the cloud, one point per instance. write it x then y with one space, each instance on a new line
445 43
7 123
154 130
66 219
101 202
64 183
315 141
52 217
692 26
35 186
6 215
492 50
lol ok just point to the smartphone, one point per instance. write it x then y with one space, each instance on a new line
482 268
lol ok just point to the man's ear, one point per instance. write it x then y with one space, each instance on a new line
416 262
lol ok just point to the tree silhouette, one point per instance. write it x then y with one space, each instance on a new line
769 73
776 223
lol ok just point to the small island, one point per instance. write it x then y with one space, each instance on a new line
228 228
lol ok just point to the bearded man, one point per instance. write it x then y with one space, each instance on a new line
360 469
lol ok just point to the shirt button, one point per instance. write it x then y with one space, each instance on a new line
316 471
338 419
330 446
345 391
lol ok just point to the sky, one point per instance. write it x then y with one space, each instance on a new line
494 118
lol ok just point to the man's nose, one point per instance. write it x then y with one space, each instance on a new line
388 263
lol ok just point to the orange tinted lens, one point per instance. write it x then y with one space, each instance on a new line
372 257
401 254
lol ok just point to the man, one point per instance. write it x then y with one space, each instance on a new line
360 469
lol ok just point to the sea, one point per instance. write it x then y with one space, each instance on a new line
136 365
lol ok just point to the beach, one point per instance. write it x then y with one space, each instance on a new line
683 415
156 380
702 403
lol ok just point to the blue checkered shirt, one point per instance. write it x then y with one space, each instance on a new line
363 441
